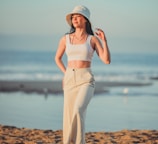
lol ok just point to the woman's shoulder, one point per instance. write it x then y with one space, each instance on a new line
68 35
94 38
63 39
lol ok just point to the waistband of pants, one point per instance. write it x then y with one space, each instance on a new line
78 69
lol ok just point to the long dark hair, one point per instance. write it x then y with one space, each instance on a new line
88 28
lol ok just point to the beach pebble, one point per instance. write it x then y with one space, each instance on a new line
14 135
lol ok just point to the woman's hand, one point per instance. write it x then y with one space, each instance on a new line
102 46
100 34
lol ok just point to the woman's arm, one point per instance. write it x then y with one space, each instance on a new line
59 54
102 48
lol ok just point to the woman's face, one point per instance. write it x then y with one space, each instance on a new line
78 20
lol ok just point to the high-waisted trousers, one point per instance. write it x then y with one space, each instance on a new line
78 88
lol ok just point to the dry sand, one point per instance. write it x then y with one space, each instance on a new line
14 135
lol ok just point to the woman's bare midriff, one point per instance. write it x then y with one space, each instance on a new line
79 64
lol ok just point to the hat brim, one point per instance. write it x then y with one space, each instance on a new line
68 18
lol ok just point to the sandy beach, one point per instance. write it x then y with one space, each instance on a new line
12 135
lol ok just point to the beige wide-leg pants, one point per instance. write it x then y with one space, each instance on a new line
78 91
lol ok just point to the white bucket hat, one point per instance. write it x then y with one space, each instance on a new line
78 10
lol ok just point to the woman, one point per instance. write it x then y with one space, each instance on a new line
79 83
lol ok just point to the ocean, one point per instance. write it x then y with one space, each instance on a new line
130 99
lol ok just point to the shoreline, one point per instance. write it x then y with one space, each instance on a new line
49 86
12 134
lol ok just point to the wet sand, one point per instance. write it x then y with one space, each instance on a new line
14 135
45 87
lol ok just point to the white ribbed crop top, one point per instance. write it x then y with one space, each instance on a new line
83 52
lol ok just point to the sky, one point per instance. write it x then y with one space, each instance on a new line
129 25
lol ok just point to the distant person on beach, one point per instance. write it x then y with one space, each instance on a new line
78 83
